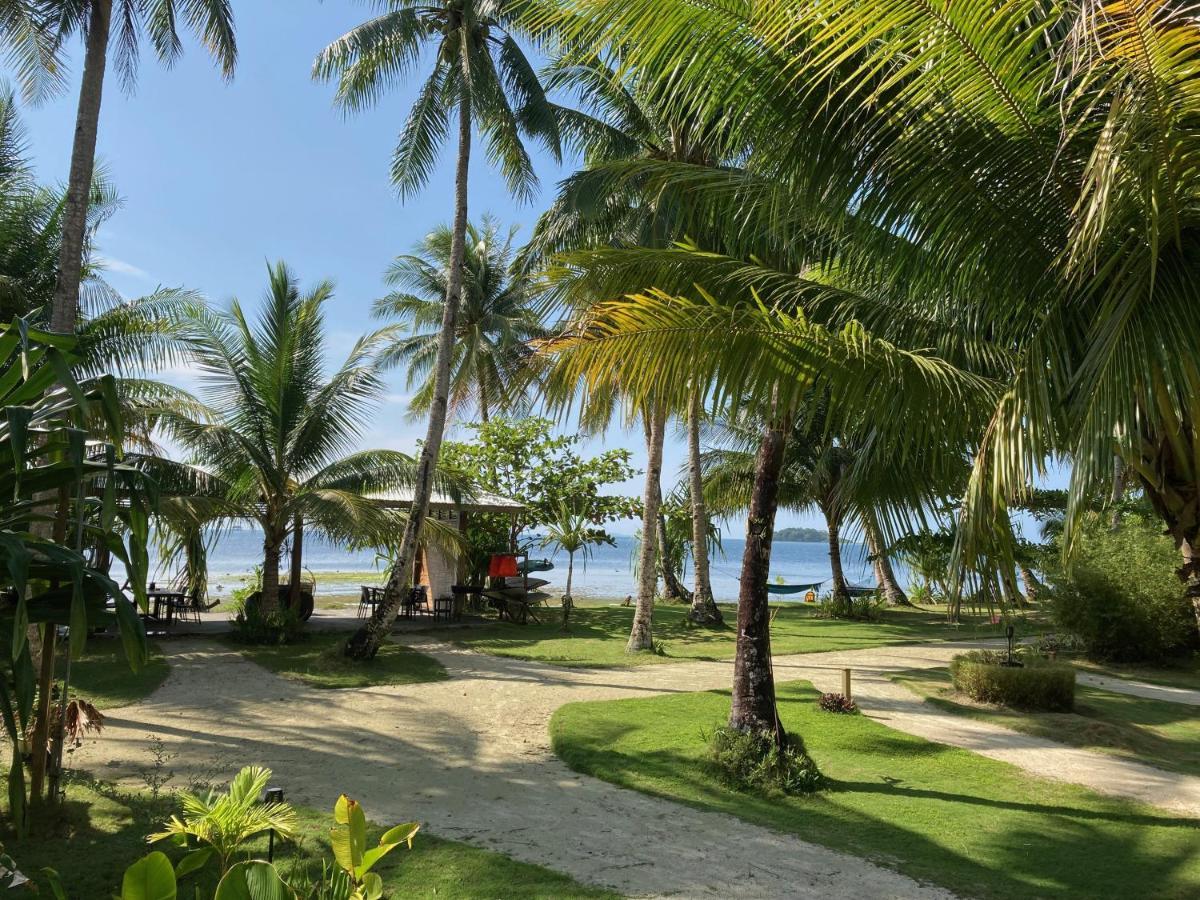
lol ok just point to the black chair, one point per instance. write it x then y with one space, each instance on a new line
369 599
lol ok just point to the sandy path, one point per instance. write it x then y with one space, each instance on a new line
470 756
897 707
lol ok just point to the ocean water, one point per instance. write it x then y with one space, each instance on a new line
606 574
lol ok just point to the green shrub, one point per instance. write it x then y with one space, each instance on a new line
754 763
1121 596
253 626
1038 684
862 609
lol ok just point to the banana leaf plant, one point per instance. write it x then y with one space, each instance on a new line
65 497
348 837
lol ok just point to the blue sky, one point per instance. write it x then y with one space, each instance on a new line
218 178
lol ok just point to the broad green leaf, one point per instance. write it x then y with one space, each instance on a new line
372 887
253 880
55 883
150 878
193 861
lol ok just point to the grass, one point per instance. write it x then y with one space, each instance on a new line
1183 673
598 635
317 660
1157 732
977 826
103 677
102 831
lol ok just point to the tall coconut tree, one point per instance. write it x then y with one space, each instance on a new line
619 120
479 72
1022 164
495 328
277 432
93 20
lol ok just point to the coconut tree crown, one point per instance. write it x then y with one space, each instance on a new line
477 63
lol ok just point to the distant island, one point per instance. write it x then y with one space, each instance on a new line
801 535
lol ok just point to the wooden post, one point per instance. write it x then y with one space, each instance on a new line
846 684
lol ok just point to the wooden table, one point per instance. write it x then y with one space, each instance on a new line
164 601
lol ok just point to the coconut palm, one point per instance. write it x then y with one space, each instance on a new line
573 531
1021 165
621 120
277 430
479 71
494 328
93 20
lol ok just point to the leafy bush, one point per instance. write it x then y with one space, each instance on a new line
1038 684
863 609
837 703
754 763
279 626
1121 595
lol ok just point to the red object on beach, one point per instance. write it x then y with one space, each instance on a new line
503 565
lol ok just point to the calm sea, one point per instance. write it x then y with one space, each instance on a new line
607 574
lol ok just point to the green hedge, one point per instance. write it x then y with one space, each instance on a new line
1039 684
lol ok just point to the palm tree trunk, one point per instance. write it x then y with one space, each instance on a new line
753 708
884 574
841 590
704 609
1029 581
83 161
270 577
365 642
297 563
483 402
40 743
641 635
568 602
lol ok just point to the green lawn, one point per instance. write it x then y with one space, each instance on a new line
974 825
103 676
103 832
1157 732
1183 673
317 660
598 635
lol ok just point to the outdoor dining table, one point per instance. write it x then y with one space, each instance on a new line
163 604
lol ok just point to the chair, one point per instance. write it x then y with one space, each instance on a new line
416 602
368 600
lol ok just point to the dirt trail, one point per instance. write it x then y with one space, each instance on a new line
470 757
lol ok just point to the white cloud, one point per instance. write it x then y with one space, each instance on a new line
123 268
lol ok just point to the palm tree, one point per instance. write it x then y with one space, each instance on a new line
480 70
212 20
621 120
494 328
277 428
1017 166
704 610
574 532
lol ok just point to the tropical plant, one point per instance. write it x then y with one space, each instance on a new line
212 20
348 837
494 330
276 429
61 497
480 69
1014 170
572 530
219 825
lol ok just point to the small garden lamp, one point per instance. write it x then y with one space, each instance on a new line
272 795
1011 663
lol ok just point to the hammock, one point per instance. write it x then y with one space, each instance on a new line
793 588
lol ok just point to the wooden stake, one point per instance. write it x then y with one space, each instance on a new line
846 684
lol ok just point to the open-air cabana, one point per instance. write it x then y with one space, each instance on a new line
437 568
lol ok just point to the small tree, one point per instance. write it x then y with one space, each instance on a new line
521 459
574 532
